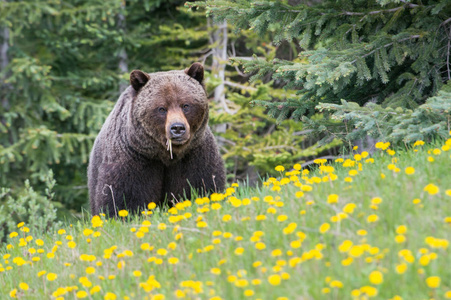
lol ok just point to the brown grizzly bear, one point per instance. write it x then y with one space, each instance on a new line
155 145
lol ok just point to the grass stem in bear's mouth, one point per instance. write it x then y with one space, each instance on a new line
169 144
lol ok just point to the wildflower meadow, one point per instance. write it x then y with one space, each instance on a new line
362 227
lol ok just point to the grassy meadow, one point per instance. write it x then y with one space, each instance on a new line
366 227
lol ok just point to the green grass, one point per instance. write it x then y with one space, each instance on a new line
297 262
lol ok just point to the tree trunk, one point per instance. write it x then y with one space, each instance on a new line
219 37
4 61
123 58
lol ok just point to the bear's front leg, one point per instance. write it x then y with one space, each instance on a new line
130 186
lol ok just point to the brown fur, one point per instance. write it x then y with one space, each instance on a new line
130 165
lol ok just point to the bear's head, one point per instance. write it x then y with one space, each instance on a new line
171 106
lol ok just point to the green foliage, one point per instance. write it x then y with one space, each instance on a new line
427 121
258 139
66 62
36 209
394 54
255 141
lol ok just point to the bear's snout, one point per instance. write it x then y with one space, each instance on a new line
177 126
177 130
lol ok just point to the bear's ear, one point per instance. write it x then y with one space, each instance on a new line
138 79
196 71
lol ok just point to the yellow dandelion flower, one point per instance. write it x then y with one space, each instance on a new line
215 271
122 213
282 218
349 208
216 206
376 200
137 273
401 268
151 205
324 227
173 260
345 246
418 143
401 229
372 218
362 232
162 251
260 246
296 244
13 234
356 251
239 251
121 265
369 291
274 279
436 151
51 276
202 224
280 169
110 296
376 277
95 289
424 260
180 294
332 198
299 194
241 283
290 228
400 238
347 261
432 189
23 286
81 294
257 264
410 170
271 210
433 282
336 284
260 218
71 244
13 293
226 218
96 221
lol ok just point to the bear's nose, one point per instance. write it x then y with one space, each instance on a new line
177 130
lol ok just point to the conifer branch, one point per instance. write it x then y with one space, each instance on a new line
388 45
349 13
239 86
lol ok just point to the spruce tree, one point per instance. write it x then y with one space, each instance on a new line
368 67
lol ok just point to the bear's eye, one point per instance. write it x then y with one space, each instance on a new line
185 107
162 110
